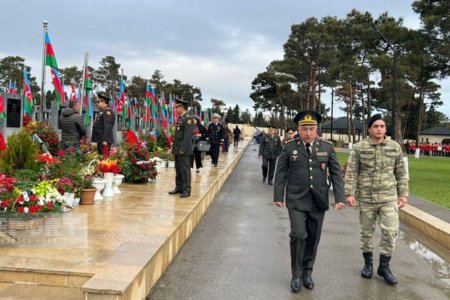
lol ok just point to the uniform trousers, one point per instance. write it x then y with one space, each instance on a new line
270 165
214 152
306 228
387 212
183 173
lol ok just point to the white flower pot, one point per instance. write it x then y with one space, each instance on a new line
68 199
99 184
108 191
116 182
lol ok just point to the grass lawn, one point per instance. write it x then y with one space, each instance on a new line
429 178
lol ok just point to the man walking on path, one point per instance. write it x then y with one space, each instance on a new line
301 180
216 134
376 177
269 150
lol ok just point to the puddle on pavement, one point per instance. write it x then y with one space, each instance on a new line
433 254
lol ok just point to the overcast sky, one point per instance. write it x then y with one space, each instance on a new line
219 46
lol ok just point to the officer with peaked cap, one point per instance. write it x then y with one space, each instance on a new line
290 134
269 150
102 130
301 185
182 149
216 134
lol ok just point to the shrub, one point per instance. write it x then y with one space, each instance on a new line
20 154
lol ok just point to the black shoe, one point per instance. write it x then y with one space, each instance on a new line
295 285
263 180
174 192
185 195
367 270
307 281
270 183
385 272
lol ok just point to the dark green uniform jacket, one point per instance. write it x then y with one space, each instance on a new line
302 180
270 146
182 140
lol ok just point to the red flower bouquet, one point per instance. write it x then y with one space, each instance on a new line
108 165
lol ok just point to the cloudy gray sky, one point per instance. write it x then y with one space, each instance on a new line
219 46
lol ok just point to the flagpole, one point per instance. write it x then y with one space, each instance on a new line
44 54
83 92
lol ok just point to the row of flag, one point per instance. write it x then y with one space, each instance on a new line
155 113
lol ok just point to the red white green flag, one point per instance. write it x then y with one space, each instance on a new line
59 90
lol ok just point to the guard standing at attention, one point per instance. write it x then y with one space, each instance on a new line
269 150
102 130
182 149
301 181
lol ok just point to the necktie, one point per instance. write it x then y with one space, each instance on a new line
307 149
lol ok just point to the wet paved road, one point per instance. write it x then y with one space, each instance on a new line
240 250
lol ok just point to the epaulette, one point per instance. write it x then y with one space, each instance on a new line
287 142
327 142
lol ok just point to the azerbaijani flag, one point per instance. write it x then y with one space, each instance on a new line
50 59
73 93
87 80
2 108
28 97
12 87
59 90
122 96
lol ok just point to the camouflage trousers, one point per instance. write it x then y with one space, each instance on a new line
387 215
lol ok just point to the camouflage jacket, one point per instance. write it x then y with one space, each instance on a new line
376 172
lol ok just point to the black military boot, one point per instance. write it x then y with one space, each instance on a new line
367 270
384 271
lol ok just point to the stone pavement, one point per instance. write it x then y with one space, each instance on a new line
240 250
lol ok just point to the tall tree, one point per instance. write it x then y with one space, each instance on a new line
107 75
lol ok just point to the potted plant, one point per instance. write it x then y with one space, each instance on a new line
66 187
109 168
87 188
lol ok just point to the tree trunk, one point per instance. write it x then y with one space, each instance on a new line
420 116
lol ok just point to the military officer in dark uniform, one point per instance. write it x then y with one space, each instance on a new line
182 149
290 133
216 133
102 130
301 181
269 150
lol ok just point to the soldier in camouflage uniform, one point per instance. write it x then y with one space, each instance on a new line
269 150
376 178
301 182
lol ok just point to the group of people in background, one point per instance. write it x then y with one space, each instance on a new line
427 149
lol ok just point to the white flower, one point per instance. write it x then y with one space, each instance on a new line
25 210
41 202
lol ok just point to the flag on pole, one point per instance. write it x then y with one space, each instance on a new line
73 93
122 96
50 59
87 80
59 91
2 108
12 87
205 118
28 97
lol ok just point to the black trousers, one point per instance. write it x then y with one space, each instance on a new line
183 173
197 156
306 228
270 165
214 152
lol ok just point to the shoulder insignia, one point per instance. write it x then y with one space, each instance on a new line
327 142
108 112
189 121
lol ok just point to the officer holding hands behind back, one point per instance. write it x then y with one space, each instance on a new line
301 181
